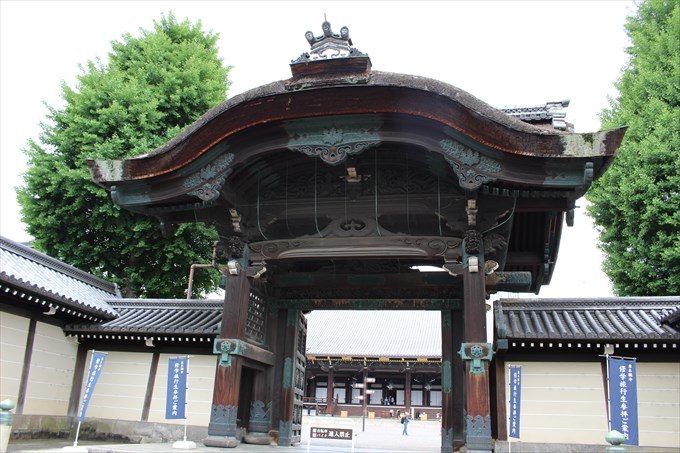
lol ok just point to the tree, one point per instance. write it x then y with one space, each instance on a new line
636 203
151 87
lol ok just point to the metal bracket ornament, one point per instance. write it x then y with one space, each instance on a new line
207 182
228 348
476 353
472 168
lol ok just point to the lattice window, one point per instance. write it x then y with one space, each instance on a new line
256 320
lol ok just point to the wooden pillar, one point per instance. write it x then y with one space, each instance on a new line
287 395
475 350
28 354
458 379
222 429
498 403
329 391
447 384
407 390
148 396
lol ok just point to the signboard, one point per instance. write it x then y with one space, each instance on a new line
93 373
175 402
370 380
358 386
515 400
622 382
331 433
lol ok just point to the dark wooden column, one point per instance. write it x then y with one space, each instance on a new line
458 379
407 389
28 354
223 430
447 383
475 350
330 401
287 395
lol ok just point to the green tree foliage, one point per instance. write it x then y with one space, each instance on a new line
636 203
152 86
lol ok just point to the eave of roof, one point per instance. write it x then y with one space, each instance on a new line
179 152
53 280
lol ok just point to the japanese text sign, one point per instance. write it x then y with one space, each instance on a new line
93 373
623 397
175 402
515 400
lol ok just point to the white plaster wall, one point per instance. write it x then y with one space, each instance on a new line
199 395
562 402
13 334
119 394
51 374
659 404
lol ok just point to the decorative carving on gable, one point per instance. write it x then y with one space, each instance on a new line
207 182
334 144
471 168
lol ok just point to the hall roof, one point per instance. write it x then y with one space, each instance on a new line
374 334
610 319
140 318
36 278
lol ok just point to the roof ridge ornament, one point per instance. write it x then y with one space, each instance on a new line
329 45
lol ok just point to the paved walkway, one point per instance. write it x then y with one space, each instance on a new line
380 435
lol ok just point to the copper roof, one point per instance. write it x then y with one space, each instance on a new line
374 333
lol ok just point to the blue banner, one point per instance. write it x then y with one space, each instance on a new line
93 373
623 404
515 399
177 387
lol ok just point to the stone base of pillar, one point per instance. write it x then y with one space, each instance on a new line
257 438
221 441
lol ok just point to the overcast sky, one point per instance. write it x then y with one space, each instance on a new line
505 53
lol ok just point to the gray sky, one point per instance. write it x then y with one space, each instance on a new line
505 53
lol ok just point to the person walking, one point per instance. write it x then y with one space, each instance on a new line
404 421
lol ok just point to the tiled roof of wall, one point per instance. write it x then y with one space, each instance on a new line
29 270
158 316
616 318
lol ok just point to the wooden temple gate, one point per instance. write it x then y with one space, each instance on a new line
329 191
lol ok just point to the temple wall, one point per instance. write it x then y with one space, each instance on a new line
564 402
120 392
13 333
51 372
199 396
659 404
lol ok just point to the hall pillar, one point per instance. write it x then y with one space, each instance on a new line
222 429
407 390
330 401
475 351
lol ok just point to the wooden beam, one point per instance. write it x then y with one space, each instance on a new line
77 382
148 395
28 354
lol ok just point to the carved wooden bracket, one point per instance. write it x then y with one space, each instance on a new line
228 347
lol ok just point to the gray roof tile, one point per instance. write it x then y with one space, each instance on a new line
155 316
30 270
624 318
